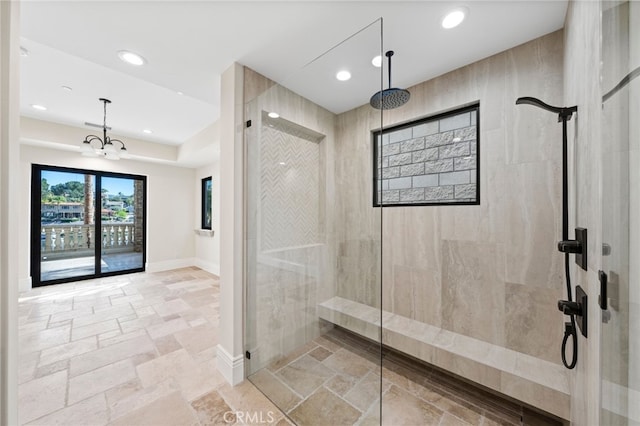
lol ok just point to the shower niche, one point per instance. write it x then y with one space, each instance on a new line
288 227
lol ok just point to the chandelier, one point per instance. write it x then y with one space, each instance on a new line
106 147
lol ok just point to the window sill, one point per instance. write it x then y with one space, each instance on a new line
204 232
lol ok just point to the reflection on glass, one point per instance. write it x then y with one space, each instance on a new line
620 332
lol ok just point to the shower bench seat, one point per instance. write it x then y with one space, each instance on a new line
534 381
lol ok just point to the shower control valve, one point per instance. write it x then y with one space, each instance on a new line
570 246
577 309
577 247
570 308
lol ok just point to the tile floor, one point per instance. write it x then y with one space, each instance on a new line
335 380
134 349
139 349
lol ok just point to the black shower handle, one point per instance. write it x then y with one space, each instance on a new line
570 308
570 246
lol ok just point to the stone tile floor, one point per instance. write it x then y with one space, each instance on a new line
139 349
135 349
336 380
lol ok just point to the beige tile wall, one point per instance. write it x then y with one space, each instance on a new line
490 271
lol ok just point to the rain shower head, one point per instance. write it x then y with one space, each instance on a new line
392 97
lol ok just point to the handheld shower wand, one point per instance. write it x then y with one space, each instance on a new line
566 246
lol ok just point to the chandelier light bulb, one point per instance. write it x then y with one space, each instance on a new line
106 148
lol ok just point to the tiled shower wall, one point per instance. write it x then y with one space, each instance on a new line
289 227
490 271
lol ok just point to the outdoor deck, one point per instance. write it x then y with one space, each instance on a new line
80 266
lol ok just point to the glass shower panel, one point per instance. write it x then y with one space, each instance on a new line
313 237
620 336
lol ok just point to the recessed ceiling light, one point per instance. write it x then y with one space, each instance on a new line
131 58
39 107
147 131
66 88
343 75
274 115
453 18
377 61
24 52
180 93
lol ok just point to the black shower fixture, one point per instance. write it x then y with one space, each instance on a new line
392 97
564 115
563 112
577 246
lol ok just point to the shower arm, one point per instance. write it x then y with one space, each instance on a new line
564 115
389 54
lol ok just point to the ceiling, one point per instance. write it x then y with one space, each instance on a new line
188 45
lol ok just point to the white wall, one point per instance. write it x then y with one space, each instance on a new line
170 201
9 194
207 249
230 353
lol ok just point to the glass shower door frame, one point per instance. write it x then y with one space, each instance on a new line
620 328
296 284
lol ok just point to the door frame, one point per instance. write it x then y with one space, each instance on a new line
36 225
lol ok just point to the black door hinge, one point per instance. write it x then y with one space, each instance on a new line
247 354
248 123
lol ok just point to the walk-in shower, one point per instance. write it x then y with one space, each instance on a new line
370 313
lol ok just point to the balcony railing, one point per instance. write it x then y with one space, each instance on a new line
59 240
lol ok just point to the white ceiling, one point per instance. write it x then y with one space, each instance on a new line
188 45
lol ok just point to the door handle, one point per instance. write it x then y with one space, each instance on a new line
602 299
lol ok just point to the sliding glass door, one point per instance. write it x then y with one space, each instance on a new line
85 224
122 224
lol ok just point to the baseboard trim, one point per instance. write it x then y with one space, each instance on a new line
167 265
231 368
210 267
25 284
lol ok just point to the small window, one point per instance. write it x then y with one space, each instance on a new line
431 161
206 203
